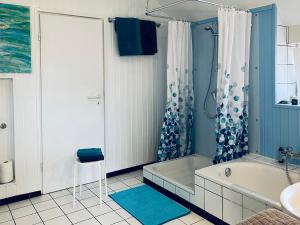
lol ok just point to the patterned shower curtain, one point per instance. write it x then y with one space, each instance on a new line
232 86
176 131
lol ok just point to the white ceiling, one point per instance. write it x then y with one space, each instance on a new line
288 10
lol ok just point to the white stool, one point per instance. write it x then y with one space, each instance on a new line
77 165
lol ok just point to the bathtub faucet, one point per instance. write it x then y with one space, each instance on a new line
286 153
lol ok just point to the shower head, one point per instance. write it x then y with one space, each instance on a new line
209 28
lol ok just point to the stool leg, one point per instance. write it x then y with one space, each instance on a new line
100 184
80 188
105 182
74 185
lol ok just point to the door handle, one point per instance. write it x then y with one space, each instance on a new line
3 126
97 97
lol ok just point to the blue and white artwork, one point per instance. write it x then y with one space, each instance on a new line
15 47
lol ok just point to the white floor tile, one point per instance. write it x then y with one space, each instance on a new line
131 181
123 189
112 180
137 185
60 211
96 190
62 220
5 216
137 173
45 205
124 176
191 218
97 211
41 198
90 202
11 222
92 221
140 178
25 211
175 222
106 198
51 213
92 185
109 218
68 208
124 214
29 220
133 221
121 223
117 186
4 208
64 200
79 216
83 188
85 194
113 205
19 204
203 222
58 194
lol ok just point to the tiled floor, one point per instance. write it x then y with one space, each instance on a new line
56 208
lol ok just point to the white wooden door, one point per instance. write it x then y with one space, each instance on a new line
72 95
6 120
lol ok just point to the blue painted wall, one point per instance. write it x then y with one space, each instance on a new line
278 126
204 128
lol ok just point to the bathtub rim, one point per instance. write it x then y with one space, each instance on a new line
240 189
149 168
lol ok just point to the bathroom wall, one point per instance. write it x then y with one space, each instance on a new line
26 128
204 128
278 125
281 125
135 90
135 87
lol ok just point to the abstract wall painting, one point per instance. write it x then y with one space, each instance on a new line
15 45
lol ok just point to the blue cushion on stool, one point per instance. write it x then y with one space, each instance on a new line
90 155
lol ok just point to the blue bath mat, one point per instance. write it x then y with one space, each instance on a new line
148 205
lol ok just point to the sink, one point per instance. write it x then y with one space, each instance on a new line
290 199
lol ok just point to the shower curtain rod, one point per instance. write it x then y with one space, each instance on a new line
180 2
150 12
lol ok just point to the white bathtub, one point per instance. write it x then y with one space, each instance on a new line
180 172
255 184
256 179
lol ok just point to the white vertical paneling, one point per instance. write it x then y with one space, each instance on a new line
6 117
26 129
135 93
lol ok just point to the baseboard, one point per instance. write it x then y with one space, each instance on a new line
39 193
186 203
127 170
17 198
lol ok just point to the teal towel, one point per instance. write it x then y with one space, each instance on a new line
129 36
149 37
90 155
